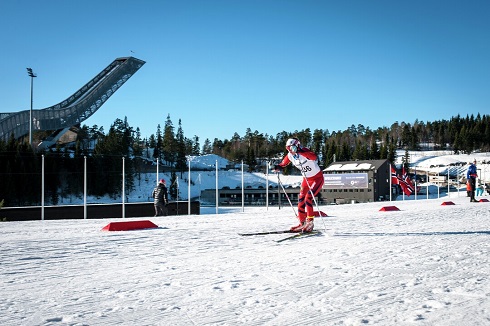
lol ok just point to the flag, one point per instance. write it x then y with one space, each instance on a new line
406 183
394 177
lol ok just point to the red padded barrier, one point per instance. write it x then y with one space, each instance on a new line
389 208
447 203
129 225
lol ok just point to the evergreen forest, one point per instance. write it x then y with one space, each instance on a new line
105 155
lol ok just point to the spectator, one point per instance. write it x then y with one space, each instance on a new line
160 199
471 177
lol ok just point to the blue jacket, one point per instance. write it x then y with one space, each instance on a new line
471 171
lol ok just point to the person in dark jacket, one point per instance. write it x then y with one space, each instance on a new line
471 177
160 199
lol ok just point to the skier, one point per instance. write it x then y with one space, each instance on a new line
471 177
160 197
306 161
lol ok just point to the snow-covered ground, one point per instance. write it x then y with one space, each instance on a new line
427 264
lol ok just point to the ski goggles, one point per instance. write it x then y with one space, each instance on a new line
292 148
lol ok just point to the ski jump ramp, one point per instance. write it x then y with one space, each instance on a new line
75 109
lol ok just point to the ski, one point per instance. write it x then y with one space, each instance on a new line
266 232
299 235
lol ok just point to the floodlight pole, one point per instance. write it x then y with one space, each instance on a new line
32 75
189 187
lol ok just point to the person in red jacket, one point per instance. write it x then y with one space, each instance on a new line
306 161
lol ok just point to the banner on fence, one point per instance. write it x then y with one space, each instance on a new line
346 181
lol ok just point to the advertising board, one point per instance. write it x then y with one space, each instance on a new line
346 181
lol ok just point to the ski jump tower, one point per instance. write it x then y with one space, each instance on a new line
75 109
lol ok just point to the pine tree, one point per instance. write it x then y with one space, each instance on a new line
137 143
169 149
206 147
157 149
392 151
250 160
318 141
174 186
196 146
180 157
331 154
374 151
406 161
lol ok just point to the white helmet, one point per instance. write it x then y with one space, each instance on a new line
292 145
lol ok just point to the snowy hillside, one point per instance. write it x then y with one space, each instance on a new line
442 161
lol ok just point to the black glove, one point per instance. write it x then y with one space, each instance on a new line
277 168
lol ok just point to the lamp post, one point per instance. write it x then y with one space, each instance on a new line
32 75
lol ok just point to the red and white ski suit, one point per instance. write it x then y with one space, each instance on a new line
306 161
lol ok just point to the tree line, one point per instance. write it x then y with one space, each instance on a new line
102 153
461 135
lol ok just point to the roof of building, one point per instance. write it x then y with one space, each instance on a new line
354 166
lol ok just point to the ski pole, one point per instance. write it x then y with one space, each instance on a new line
312 194
284 190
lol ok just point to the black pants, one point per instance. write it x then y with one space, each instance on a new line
472 182
161 209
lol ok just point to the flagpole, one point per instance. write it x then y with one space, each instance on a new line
391 176
397 181
427 182
415 188
403 180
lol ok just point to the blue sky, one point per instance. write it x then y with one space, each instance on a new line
271 66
